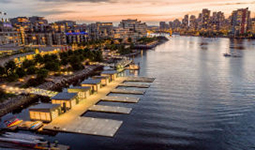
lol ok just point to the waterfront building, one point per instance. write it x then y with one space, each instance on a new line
253 25
134 26
8 34
100 30
83 91
111 73
104 79
193 23
67 100
240 21
44 112
95 84
217 21
176 25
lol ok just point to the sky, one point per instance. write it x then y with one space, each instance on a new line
87 11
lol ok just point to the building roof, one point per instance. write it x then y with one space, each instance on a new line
64 96
79 89
109 72
100 77
44 106
91 81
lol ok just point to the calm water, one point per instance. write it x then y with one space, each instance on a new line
200 100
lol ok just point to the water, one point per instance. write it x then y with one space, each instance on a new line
200 100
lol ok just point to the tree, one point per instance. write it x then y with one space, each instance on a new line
12 77
28 63
129 40
20 72
31 70
10 66
38 59
52 66
2 71
42 74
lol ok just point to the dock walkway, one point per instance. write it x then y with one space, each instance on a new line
134 85
140 79
120 99
110 109
124 91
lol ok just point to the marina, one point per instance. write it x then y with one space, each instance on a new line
120 99
110 109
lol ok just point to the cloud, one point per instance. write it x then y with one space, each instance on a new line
5 1
238 3
54 12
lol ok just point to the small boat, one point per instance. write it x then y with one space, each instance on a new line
12 123
227 55
36 125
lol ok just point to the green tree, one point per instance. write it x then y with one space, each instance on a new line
2 71
52 66
12 77
129 40
38 59
20 72
31 70
10 66
28 63
42 74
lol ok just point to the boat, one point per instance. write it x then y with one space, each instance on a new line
12 123
36 125
227 55
22 136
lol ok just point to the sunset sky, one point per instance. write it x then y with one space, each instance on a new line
150 11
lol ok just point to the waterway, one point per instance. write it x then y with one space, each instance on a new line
200 100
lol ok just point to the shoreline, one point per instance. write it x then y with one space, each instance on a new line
19 101
227 37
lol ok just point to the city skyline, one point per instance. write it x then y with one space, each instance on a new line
113 10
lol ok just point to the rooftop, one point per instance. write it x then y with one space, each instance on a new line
64 96
91 81
79 88
44 106
109 72
100 77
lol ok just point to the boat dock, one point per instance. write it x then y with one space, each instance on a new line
110 109
140 79
137 85
123 91
88 125
120 99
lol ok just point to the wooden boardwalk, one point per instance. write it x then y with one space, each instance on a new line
124 91
140 79
89 125
110 109
138 85
120 99
72 121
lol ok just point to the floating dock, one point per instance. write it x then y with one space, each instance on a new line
89 125
120 99
124 91
140 79
137 85
110 109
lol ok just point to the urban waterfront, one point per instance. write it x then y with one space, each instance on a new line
199 100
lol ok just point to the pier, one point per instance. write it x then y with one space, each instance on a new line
120 99
123 91
137 85
110 109
140 79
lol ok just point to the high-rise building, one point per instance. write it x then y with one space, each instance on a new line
163 26
193 22
176 25
217 21
185 22
240 21
205 22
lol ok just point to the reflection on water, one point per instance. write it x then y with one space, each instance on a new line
199 100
